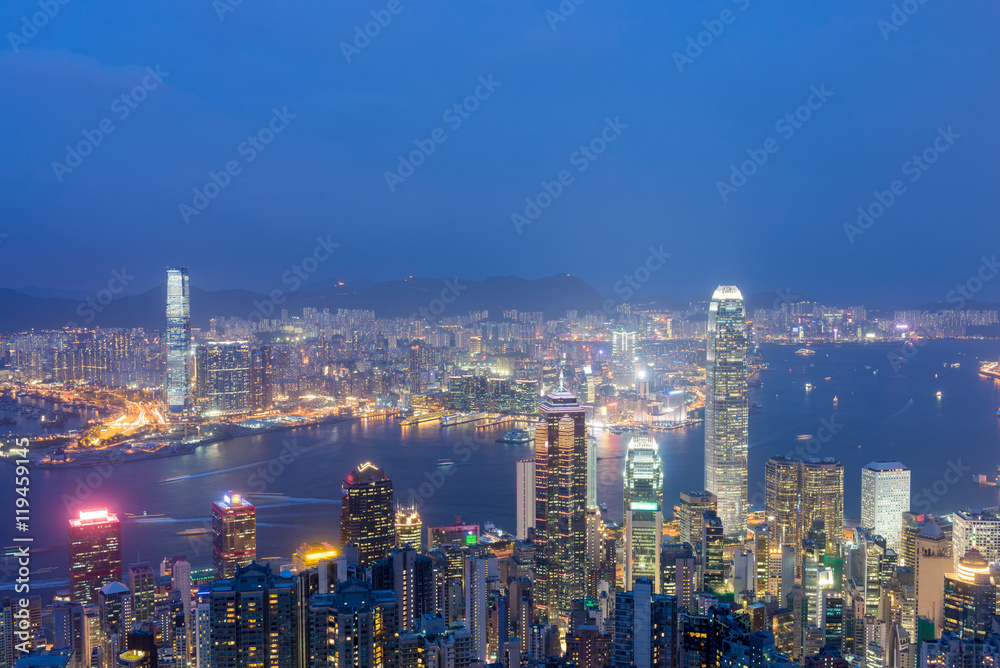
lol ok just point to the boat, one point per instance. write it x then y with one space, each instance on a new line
939 394
835 400
805 351
809 386
197 531
515 437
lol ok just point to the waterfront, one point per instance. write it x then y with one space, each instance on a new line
889 414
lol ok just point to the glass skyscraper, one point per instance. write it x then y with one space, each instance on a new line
177 384
643 482
367 513
234 534
95 553
726 407
885 496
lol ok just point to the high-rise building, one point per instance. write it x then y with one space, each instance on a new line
69 629
409 528
114 600
261 392
885 496
727 409
970 598
411 576
643 503
976 528
222 373
691 508
355 627
525 503
796 494
932 562
645 626
95 553
434 644
781 500
367 515
142 584
560 506
234 529
178 341
481 575
251 617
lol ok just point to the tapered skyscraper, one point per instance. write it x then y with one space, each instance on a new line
643 482
726 407
560 506
177 383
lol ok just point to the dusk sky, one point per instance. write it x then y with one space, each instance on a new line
675 118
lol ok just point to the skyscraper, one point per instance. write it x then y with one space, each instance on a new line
643 503
560 506
781 500
726 407
970 597
234 529
409 528
823 499
178 341
142 584
691 508
222 372
885 496
367 515
524 478
95 553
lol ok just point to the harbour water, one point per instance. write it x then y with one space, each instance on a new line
294 477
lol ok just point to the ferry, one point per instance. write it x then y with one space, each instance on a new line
515 437
197 531
805 351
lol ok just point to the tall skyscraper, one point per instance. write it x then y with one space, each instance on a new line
560 506
142 584
411 576
95 553
178 341
781 500
643 503
234 529
261 393
726 407
356 627
645 626
970 597
691 508
798 493
885 496
409 528
367 515
524 478
223 374
114 601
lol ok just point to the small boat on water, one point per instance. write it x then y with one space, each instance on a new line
515 437
197 531
805 351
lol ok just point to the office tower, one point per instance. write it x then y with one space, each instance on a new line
460 534
69 629
222 377
560 505
416 360
142 584
367 518
970 597
203 629
976 528
623 355
932 564
251 618
354 627
481 574
524 477
234 531
726 407
781 500
677 573
645 627
592 472
595 548
832 618
885 496
95 553
411 576
691 508
712 540
643 503
409 528
178 341
434 644
180 578
115 603
822 492
261 392
761 543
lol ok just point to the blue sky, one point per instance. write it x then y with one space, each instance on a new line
657 183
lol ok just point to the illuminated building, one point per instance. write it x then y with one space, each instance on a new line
142 583
367 515
309 555
781 500
692 506
178 341
95 553
234 530
712 540
411 576
434 644
932 563
354 627
409 528
251 619
643 503
970 597
481 575
727 408
261 392
70 629
524 478
223 375
822 491
560 506
623 354
885 496
114 601
645 626
978 528
462 535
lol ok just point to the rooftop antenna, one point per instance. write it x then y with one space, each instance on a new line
562 387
